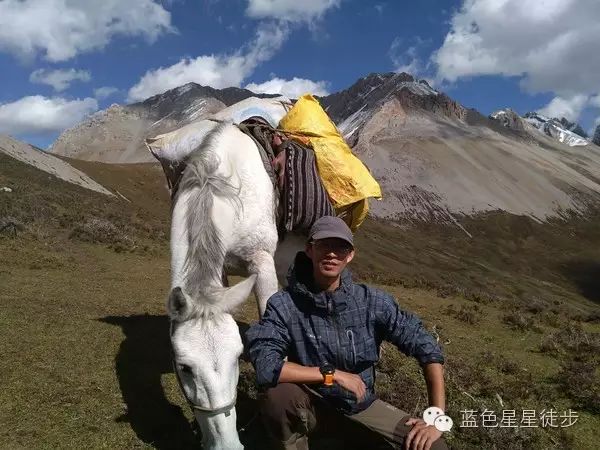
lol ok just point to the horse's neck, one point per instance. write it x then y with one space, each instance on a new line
203 276
207 282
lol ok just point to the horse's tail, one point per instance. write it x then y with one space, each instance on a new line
205 253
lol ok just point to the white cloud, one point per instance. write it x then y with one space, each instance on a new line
406 59
569 108
553 44
224 70
104 92
59 79
217 71
61 29
595 101
293 88
290 10
36 115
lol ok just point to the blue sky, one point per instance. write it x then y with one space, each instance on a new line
61 60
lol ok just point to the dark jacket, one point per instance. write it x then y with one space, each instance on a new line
344 327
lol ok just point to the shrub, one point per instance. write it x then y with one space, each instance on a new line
551 318
535 306
481 297
580 379
593 317
518 321
468 314
509 367
102 231
96 230
571 341
10 226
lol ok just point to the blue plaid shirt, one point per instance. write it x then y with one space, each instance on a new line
344 328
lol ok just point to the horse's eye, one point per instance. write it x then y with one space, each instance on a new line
185 368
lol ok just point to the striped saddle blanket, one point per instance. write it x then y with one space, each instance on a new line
293 170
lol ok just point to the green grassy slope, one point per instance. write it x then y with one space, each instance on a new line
84 359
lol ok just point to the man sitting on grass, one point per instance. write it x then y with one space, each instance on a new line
330 330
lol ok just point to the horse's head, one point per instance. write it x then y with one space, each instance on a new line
206 346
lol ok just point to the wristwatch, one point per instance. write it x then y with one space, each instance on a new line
327 370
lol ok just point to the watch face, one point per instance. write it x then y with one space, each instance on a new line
327 368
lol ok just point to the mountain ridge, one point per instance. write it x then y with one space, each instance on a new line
49 163
434 158
117 134
560 130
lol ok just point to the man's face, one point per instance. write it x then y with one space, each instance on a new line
329 256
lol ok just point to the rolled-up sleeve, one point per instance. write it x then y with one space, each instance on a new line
405 330
268 342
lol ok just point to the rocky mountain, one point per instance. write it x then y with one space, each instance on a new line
561 130
351 108
434 158
117 134
510 119
573 127
184 104
48 163
596 137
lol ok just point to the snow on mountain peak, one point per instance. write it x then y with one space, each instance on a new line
352 107
185 88
560 130
555 128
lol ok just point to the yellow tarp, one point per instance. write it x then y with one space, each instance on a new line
346 179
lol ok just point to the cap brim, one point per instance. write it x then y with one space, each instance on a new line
330 234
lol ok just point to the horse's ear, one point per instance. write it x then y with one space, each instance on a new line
234 296
179 306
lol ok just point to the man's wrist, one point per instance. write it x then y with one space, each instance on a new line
328 372
296 373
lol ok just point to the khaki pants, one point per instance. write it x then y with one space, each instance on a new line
292 412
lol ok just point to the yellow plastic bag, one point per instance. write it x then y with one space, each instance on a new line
346 179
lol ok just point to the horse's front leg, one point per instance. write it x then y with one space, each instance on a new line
263 266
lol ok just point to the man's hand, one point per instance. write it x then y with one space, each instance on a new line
421 436
352 383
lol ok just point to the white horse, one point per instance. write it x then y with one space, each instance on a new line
223 222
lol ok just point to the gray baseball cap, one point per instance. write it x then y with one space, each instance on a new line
330 227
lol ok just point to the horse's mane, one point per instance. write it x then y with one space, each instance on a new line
206 254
